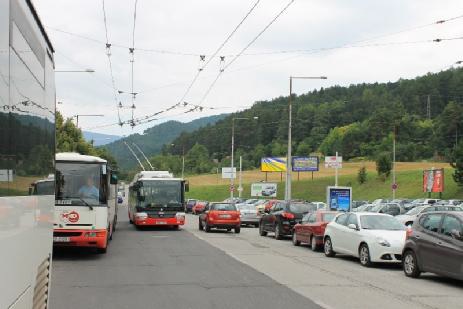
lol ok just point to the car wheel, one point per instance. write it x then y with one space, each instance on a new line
295 241
410 264
207 228
328 247
278 232
200 225
237 230
364 254
313 244
261 230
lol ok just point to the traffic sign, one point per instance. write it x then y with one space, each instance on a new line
232 188
395 186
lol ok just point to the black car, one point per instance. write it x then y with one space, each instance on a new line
282 217
435 244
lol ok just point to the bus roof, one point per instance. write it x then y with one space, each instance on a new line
74 156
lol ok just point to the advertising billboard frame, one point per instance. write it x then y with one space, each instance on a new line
305 169
434 186
273 164
333 201
264 189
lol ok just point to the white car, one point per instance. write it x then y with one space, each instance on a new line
371 237
409 217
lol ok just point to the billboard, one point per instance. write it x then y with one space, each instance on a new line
305 164
339 198
273 164
433 180
264 189
227 172
333 162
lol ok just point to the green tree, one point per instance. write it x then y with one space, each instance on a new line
457 164
384 165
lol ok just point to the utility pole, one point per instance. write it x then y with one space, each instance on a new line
183 160
240 187
336 171
394 185
288 155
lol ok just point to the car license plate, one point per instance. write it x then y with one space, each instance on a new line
161 222
61 239
224 216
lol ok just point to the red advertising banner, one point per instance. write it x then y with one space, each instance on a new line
433 180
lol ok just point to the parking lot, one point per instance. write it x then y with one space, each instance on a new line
339 282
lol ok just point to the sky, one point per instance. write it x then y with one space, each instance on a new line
170 36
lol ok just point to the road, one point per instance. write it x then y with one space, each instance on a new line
193 269
162 269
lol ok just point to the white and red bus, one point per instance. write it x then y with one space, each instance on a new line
27 152
156 198
85 202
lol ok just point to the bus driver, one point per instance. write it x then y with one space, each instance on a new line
89 190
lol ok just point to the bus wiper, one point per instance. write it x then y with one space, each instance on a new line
85 203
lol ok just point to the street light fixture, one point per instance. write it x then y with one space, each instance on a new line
76 71
288 157
232 189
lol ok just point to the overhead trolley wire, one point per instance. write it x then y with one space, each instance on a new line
132 61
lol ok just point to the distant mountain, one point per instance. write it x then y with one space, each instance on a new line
100 139
152 139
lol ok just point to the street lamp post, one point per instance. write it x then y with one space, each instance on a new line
288 157
232 153
77 118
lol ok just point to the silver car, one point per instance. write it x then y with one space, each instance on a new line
248 214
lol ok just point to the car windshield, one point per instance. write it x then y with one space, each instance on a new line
415 210
302 208
223 207
165 193
245 207
376 208
78 184
45 188
328 217
376 222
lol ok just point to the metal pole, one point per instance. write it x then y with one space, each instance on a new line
288 157
336 171
232 148
77 116
183 161
393 163
240 188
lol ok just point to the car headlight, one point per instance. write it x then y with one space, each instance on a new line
383 242
141 215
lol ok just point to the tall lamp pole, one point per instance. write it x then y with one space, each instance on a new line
232 189
289 156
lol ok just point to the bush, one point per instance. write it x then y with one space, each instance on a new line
384 165
362 175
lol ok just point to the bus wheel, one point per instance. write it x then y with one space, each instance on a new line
176 227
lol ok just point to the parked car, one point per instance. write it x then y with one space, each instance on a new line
371 237
449 202
419 202
120 199
435 244
220 216
392 209
199 207
366 207
248 214
235 200
380 201
266 206
312 228
282 217
189 205
409 217
320 205
356 204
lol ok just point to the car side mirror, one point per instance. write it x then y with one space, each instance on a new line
456 234
353 226
113 180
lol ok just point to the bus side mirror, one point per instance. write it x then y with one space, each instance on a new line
113 179
187 186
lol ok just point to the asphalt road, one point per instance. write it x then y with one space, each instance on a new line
163 269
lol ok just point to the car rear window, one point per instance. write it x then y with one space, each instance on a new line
302 208
223 207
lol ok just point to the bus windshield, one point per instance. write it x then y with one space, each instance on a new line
78 184
161 193
45 187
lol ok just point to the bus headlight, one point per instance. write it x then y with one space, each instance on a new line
141 215
180 216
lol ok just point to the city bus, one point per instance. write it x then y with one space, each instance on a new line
156 198
85 202
27 152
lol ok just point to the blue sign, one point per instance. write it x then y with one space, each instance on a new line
339 198
305 164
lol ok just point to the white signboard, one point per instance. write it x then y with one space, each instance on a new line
227 172
264 189
331 162
6 175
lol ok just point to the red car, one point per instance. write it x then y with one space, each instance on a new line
312 228
198 207
220 216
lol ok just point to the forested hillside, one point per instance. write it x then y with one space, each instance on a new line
356 121
153 139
